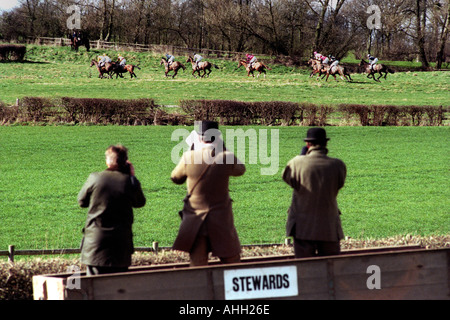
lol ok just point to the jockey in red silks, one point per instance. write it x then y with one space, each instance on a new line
322 58
251 59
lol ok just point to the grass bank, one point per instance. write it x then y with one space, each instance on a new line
58 72
397 184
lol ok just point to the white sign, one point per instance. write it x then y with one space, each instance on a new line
260 283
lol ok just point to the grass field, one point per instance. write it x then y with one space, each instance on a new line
398 183
57 72
398 177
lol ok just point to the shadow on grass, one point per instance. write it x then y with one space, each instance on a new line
23 61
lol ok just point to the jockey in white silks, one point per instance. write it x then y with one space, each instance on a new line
197 59
373 61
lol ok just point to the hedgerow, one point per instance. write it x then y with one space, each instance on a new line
67 110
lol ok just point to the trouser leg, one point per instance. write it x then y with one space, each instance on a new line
96 270
235 259
309 248
328 248
304 248
199 252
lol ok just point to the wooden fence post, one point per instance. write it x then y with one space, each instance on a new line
11 253
155 246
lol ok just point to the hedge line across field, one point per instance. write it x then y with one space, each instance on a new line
12 52
67 110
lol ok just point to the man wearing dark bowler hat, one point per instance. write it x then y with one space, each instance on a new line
207 223
313 216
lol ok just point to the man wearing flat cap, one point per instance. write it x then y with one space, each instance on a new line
207 223
313 217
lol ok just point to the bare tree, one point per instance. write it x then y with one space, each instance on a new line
444 34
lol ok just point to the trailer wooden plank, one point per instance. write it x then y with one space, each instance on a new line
402 274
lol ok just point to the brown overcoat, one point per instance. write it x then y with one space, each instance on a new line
316 180
210 202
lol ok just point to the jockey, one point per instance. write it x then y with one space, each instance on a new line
334 61
197 59
373 61
103 60
122 61
317 55
323 59
170 59
251 59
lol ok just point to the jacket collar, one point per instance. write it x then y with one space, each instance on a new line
317 150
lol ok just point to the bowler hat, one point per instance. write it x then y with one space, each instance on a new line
204 126
316 135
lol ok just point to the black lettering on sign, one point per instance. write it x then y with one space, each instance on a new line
265 282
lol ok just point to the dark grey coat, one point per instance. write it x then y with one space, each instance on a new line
316 180
108 237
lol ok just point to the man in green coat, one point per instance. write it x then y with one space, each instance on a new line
110 196
313 217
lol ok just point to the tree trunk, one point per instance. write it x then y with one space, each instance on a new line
319 25
111 20
420 29
443 40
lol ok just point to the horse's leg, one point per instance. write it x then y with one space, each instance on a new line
378 79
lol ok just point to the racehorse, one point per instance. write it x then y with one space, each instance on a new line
108 68
380 68
175 66
342 71
201 66
118 70
78 40
257 66
318 67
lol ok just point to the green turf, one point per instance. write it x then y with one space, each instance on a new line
57 72
398 183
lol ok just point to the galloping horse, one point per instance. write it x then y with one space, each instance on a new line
380 68
175 66
342 71
257 66
79 40
318 67
201 66
118 70
108 68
